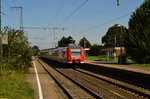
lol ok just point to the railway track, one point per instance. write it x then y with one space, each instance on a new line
134 78
72 89
126 86
102 86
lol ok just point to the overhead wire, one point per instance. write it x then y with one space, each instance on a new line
38 38
92 28
12 12
73 13
96 13
33 13
31 10
59 8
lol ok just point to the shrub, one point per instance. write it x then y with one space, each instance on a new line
17 54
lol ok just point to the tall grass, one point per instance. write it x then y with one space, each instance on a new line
14 86
17 59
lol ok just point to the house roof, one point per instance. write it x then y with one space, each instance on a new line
108 49
112 49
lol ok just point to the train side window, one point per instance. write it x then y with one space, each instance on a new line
64 53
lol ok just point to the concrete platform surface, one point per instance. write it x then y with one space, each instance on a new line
49 88
143 70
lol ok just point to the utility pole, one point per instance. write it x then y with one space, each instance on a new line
1 46
84 45
84 41
121 42
0 15
115 41
21 15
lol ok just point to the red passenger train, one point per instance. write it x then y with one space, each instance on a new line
72 54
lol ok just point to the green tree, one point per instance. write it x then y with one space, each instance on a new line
114 35
66 41
17 53
95 50
84 42
36 50
137 39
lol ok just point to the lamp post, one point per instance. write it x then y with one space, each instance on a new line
1 46
120 59
84 41
118 2
84 44
71 41
0 15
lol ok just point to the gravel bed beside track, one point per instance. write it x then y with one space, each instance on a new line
102 88
123 85
135 78
70 88
105 87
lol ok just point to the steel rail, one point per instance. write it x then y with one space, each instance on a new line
141 93
78 84
57 82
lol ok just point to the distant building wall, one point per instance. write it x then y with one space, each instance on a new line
118 50
115 50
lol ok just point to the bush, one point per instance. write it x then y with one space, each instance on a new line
17 54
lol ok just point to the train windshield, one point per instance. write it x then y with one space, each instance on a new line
75 54
75 50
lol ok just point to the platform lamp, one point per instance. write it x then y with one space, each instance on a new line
120 27
118 2
1 46
84 41
84 44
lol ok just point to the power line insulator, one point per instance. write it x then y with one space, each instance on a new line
118 2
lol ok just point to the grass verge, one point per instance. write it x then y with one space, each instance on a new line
140 65
14 86
96 58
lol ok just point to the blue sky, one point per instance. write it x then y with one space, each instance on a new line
92 19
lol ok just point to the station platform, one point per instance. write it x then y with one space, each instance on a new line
47 88
142 70
43 85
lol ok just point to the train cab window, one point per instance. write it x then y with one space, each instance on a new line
75 54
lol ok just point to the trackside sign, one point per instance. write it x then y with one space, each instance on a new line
4 39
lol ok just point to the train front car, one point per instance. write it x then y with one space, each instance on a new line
75 54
